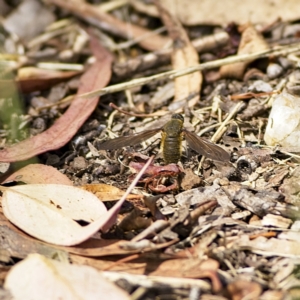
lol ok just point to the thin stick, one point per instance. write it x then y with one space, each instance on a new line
244 96
205 66
175 73
157 114
149 281
217 134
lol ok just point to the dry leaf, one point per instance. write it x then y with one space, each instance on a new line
66 126
270 247
31 79
184 55
242 289
38 277
18 244
48 212
212 12
252 41
107 192
38 173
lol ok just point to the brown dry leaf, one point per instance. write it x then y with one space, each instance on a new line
58 280
135 220
185 267
66 126
38 173
212 12
32 79
184 55
252 41
157 266
242 289
104 264
107 192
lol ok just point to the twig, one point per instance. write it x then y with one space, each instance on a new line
250 95
163 56
111 5
157 114
279 87
152 281
60 66
218 134
107 22
208 128
205 66
135 41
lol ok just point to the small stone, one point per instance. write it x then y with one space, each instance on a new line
274 71
79 163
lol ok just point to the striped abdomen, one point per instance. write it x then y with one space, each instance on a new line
172 149
171 141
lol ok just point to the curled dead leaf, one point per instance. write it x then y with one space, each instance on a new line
107 192
251 41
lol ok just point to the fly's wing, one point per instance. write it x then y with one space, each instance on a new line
206 147
129 140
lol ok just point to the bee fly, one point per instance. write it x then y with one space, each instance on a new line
172 134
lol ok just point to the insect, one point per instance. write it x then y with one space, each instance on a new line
172 135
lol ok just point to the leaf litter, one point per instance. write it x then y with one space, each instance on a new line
49 212
65 127
240 218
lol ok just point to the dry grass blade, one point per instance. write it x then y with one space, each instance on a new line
284 50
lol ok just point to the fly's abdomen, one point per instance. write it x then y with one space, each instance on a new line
172 148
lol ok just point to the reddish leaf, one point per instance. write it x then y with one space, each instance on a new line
67 125
34 79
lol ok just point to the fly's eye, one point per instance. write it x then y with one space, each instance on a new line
178 117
